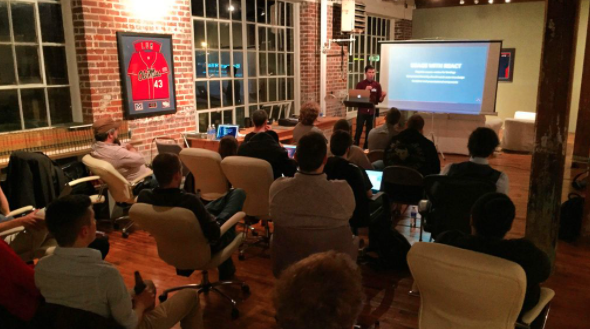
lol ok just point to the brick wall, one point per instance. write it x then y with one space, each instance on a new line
337 64
403 29
95 25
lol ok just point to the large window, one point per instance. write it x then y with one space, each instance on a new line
244 59
34 80
366 50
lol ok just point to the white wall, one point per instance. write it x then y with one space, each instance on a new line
520 26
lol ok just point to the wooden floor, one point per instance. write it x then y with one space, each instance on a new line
386 292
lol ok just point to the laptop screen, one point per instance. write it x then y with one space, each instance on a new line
375 177
225 130
291 150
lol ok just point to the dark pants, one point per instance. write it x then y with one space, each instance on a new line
223 209
377 220
362 120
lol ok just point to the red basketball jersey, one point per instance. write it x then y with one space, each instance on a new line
148 71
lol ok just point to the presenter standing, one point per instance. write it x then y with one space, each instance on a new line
365 116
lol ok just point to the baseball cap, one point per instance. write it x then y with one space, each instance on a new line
105 124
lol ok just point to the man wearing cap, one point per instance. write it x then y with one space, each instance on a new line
107 147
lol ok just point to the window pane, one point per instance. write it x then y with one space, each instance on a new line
262 64
211 8
202 95
228 117
60 105
23 22
203 122
215 94
250 11
199 34
251 32
290 40
280 39
4 26
28 64
272 64
34 110
238 68
224 35
225 64
290 64
237 35
56 71
237 10
271 12
262 86
239 92
9 114
51 23
281 14
289 14
290 88
228 93
282 89
240 116
280 64
253 91
212 35
201 66
261 38
224 9
252 64
198 8
276 109
261 11
216 118
7 64
213 65
272 90
271 39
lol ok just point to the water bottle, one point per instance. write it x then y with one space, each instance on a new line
413 215
210 135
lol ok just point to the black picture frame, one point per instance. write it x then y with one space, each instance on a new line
146 64
506 66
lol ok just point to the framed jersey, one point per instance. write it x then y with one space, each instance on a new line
147 74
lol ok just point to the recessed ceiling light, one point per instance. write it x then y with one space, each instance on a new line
490 1
462 2
231 8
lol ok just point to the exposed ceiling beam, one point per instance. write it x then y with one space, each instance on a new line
421 4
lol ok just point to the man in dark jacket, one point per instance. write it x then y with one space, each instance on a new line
263 146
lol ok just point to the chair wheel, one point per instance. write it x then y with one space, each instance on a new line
254 233
245 288
235 313
163 298
241 256
125 235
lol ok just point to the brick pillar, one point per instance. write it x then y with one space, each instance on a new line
403 29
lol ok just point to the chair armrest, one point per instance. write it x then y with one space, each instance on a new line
545 298
232 221
10 232
424 207
20 211
83 180
141 178
377 196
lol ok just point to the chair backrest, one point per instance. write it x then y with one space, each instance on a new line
452 199
169 145
403 184
119 187
375 155
463 289
178 234
205 165
55 316
254 176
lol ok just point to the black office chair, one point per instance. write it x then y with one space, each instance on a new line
449 202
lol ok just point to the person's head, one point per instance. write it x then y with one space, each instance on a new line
343 125
70 219
340 143
492 215
322 291
106 130
309 113
228 145
369 72
482 142
311 152
416 121
168 170
259 118
392 117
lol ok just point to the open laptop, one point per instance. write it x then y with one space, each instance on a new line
375 177
290 149
359 95
224 130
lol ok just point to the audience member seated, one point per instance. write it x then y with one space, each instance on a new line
338 167
323 291
356 154
260 123
75 276
411 149
309 201
307 117
228 146
126 159
491 218
380 136
263 145
168 171
482 144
